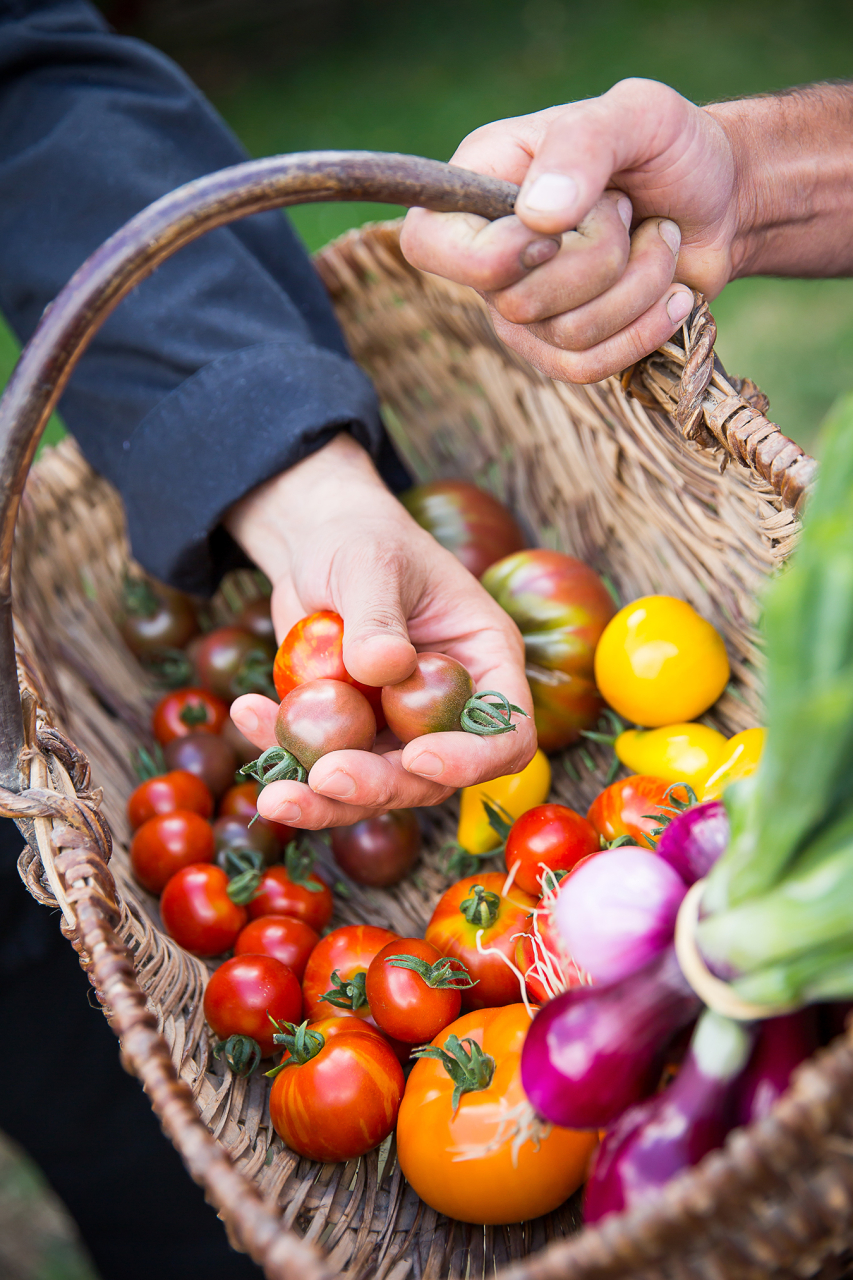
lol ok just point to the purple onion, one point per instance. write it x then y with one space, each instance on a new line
617 911
783 1043
594 1051
672 1131
693 841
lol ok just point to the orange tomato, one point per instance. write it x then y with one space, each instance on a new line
630 806
475 906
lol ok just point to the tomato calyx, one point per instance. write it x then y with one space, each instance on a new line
459 863
241 1053
666 812
481 908
171 668
350 993
193 714
244 868
274 765
470 1070
619 841
299 865
443 974
299 1042
137 597
487 718
255 675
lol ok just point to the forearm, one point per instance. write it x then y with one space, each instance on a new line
794 158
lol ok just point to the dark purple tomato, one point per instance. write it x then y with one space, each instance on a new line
206 755
472 524
378 851
241 800
256 617
430 700
231 661
323 716
231 832
155 617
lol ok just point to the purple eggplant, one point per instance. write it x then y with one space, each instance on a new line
594 1051
693 841
672 1131
783 1043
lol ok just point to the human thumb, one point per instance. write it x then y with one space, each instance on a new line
377 648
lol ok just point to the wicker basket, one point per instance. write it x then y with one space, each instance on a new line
619 475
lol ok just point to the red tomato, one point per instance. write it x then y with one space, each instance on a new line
198 913
241 801
185 711
245 992
430 700
313 649
323 716
205 754
305 896
543 959
472 907
166 843
179 789
231 661
378 851
287 939
471 524
413 1002
550 837
623 808
337 1098
347 952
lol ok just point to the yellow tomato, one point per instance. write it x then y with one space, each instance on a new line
741 757
658 662
677 752
515 792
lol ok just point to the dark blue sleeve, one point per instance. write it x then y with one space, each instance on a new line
223 368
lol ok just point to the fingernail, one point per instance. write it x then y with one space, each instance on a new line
670 233
626 211
679 305
427 764
289 812
550 193
338 784
539 251
249 721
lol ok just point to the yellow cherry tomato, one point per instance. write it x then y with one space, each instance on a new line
515 792
741 758
658 662
677 752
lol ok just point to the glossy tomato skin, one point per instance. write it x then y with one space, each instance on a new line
347 951
221 656
401 1003
179 789
341 1103
198 913
561 608
236 833
166 843
313 649
552 837
207 755
622 809
452 934
279 895
284 937
378 851
470 523
323 716
200 709
241 801
507 1182
256 617
245 992
168 622
430 700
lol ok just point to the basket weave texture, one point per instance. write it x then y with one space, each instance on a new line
589 470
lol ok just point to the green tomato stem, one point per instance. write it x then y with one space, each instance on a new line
351 994
487 718
242 1054
471 1071
481 908
442 975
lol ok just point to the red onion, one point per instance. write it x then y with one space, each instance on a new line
783 1043
693 841
594 1051
617 911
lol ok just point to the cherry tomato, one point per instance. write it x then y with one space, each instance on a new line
472 907
231 661
186 711
179 789
541 955
470 523
347 953
460 1154
155 617
256 617
236 833
241 801
207 755
561 608
430 700
313 649
245 992
323 716
166 843
550 837
339 1098
345 1025
378 851
658 662
623 808
285 937
198 913
293 891
413 1000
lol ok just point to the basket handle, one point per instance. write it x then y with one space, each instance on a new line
684 378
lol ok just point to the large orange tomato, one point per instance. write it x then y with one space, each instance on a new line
478 1153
